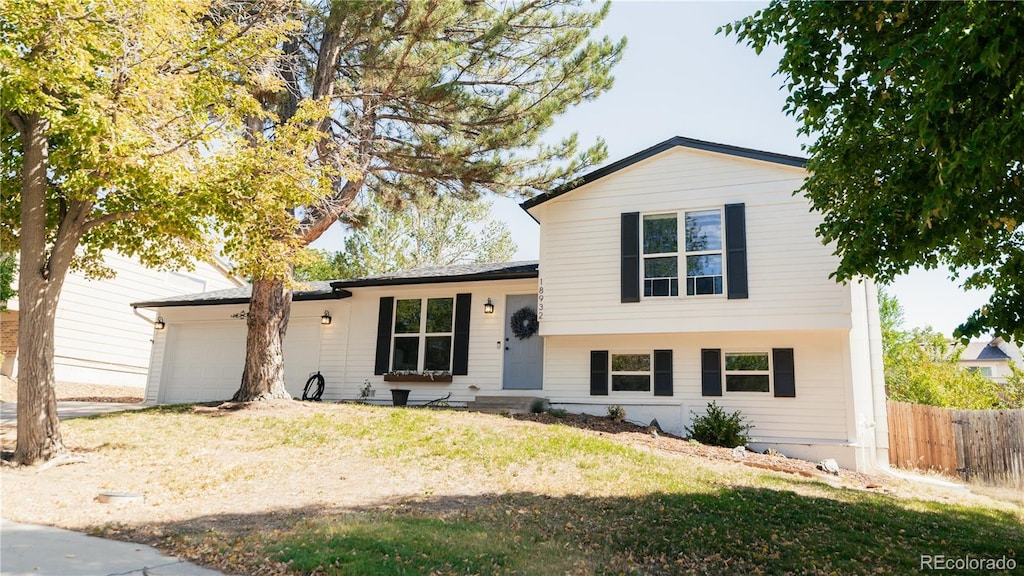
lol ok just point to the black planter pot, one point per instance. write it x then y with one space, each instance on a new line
399 396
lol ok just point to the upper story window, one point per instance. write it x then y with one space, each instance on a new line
707 249
661 255
703 252
423 333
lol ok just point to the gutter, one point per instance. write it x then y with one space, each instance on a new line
334 294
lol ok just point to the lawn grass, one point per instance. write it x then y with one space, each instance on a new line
560 501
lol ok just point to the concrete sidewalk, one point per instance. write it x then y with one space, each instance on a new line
41 550
65 410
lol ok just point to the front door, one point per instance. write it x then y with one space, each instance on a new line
524 348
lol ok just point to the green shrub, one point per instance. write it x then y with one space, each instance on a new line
616 413
718 428
558 412
538 405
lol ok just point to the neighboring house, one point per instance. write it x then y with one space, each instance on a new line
991 359
684 274
98 337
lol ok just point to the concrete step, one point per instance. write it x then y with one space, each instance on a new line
519 404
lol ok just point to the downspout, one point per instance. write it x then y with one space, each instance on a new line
880 453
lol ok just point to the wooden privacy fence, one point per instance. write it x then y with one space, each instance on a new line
985 446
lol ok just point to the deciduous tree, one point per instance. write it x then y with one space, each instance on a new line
917 114
921 366
436 97
107 110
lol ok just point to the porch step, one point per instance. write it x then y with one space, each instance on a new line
517 404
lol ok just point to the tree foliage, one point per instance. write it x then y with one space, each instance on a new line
8 268
439 231
921 366
917 111
429 98
109 109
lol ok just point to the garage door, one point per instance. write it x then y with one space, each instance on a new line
204 360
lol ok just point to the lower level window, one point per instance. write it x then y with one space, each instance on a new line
747 372
631 372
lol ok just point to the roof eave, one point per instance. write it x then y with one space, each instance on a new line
298 297
519 274
676 141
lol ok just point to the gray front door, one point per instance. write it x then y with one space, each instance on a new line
524 357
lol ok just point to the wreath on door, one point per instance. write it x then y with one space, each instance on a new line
524 323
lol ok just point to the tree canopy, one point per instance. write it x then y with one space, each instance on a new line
438 231
427 98
922 367
917 114
110 109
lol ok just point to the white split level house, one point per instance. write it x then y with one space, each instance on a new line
684 274
98 337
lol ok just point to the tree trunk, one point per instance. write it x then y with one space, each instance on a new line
267 322
39 437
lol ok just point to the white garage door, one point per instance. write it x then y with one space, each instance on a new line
204 360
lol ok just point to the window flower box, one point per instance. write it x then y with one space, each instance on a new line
440 377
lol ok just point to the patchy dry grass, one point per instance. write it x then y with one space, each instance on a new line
344 489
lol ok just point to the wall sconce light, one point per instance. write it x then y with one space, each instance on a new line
326 318
489 307
159 324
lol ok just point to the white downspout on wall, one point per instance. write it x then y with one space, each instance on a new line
881 417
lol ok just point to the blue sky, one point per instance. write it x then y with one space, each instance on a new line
678 78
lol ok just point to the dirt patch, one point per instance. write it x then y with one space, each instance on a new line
199 474
651 438
79 392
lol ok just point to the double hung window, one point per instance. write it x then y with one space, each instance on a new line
701 253
631 372
423 334
661 255
747 372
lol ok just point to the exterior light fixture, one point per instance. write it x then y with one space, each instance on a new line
326 318
159 324
489 307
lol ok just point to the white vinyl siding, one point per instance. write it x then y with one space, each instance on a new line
820 411
347 347
98 337
788 268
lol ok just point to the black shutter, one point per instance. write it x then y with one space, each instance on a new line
736 250
460 355
662 372
387 307
630 274
598 372
711 372
785 374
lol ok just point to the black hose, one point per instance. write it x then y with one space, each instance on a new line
319 381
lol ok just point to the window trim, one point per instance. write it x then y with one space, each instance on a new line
681 253
720 252
422 335
649 373
770 372
644 256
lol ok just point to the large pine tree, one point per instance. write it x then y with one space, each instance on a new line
442 96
